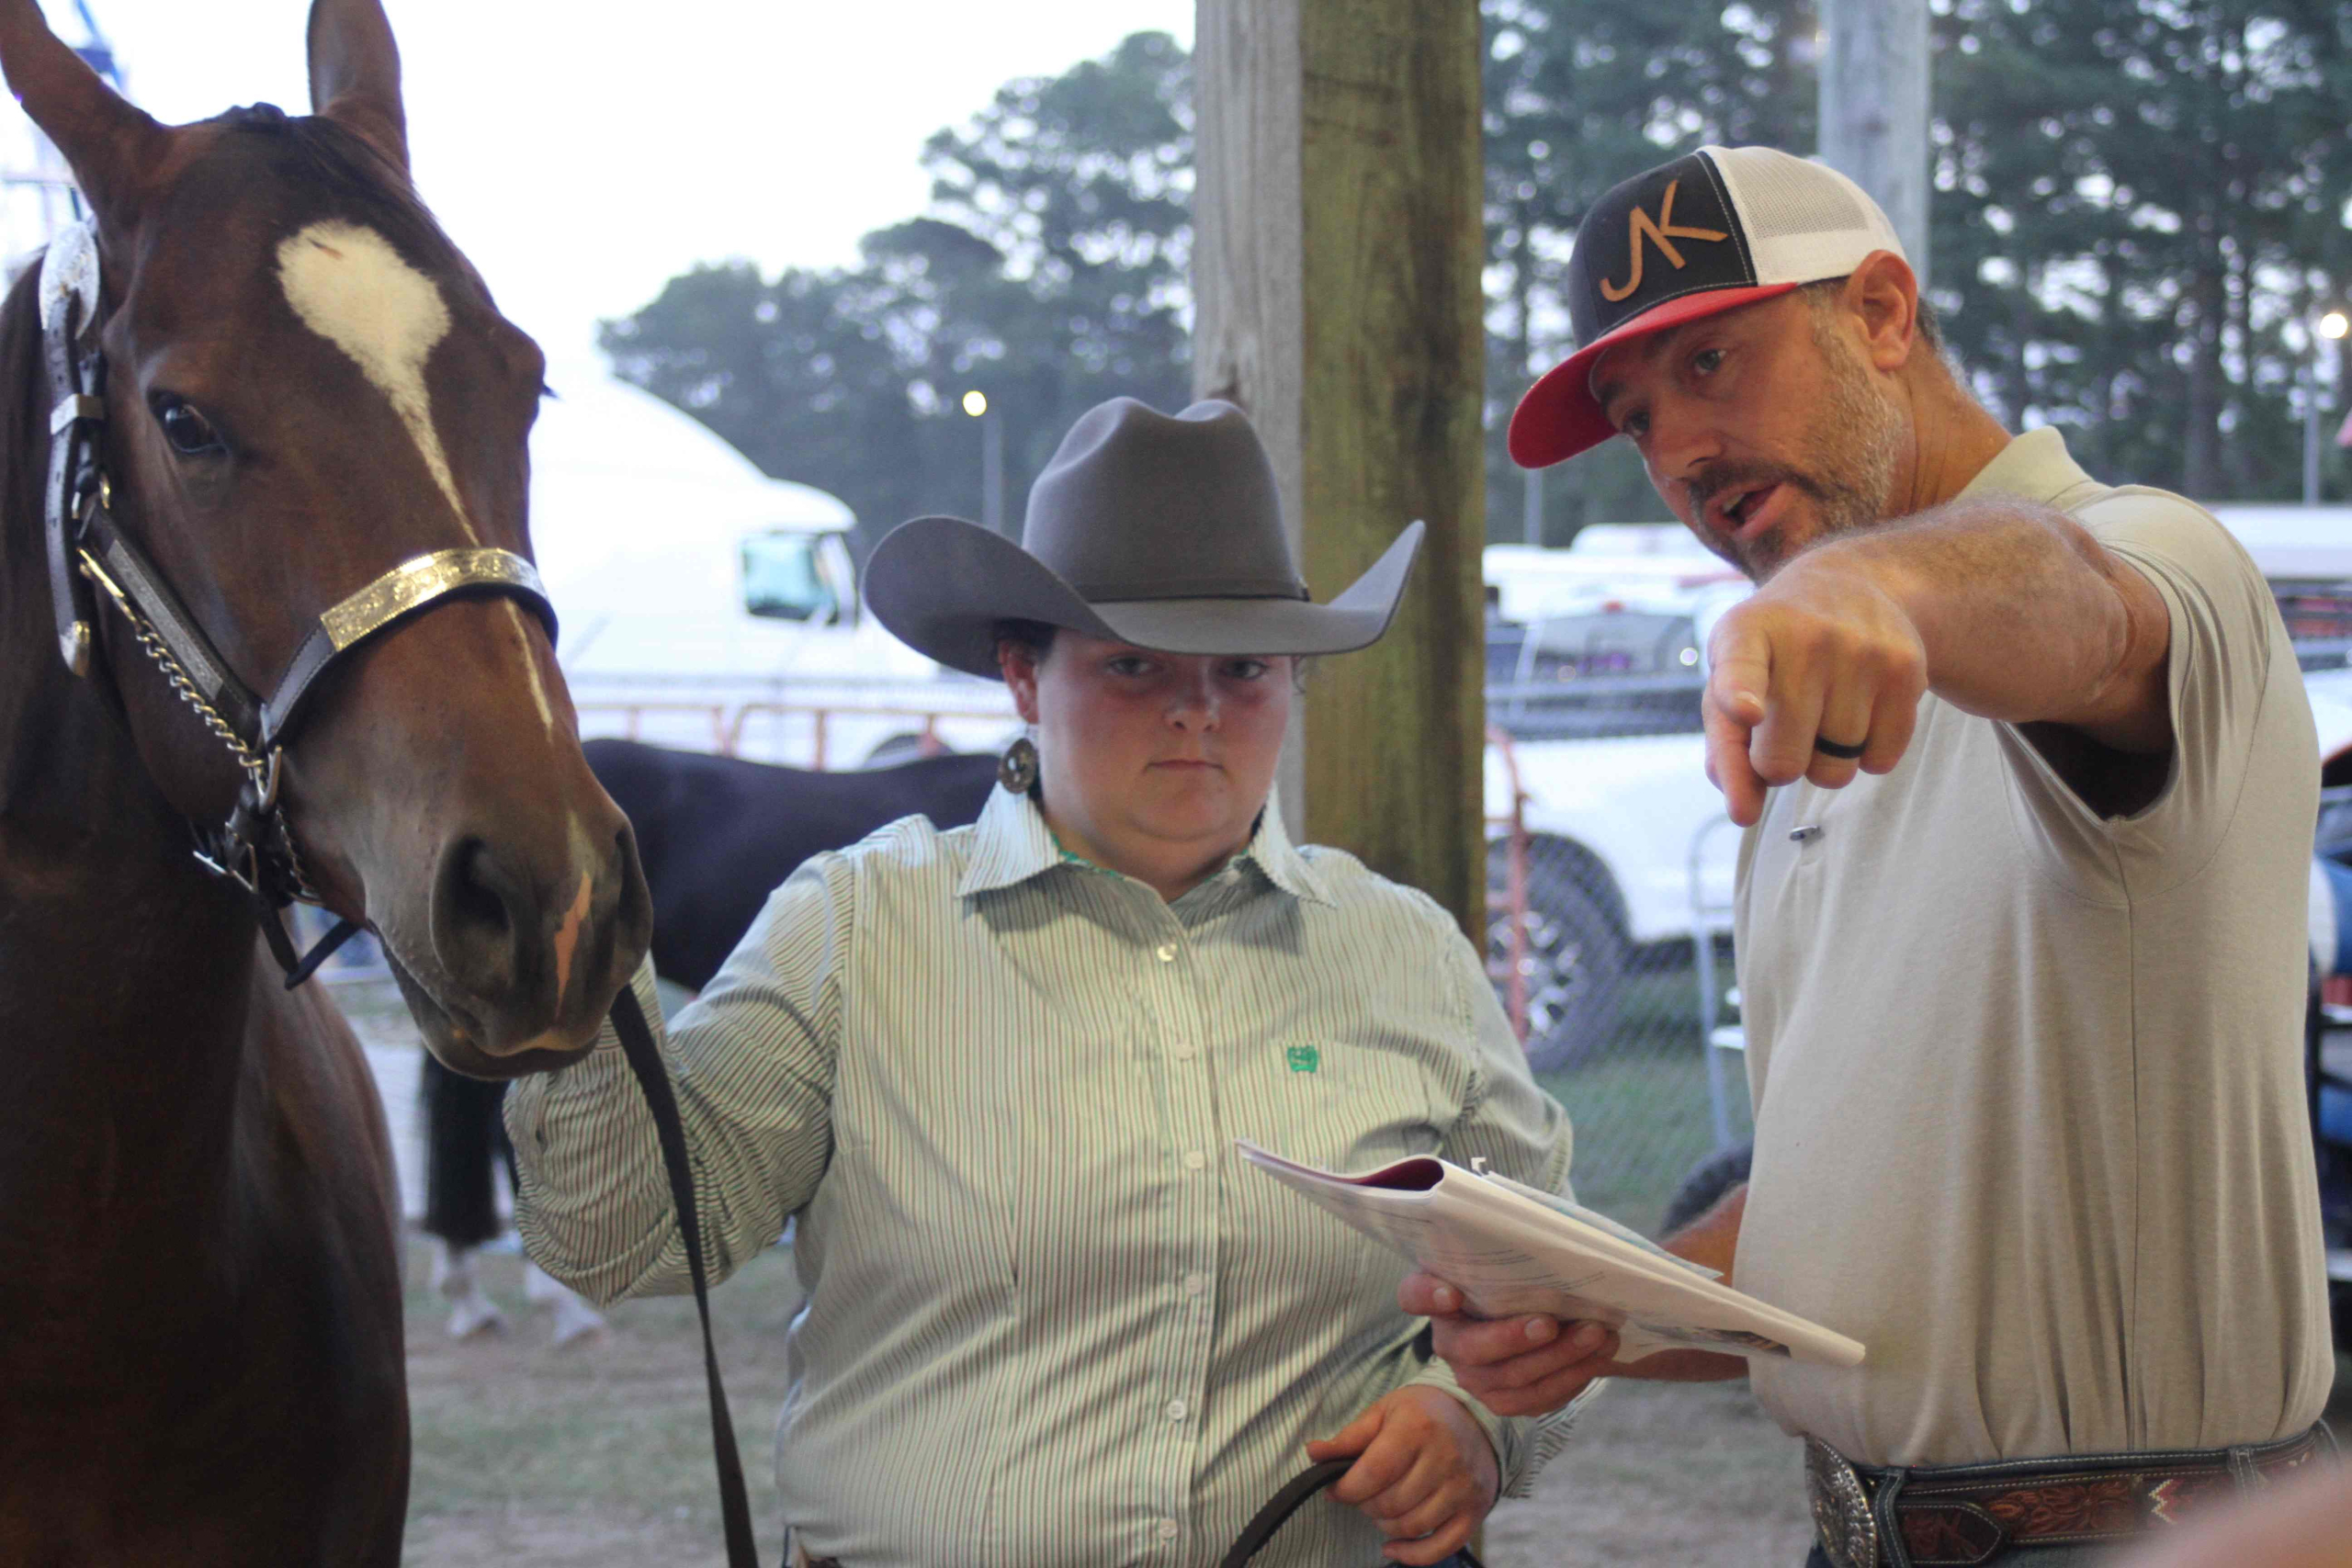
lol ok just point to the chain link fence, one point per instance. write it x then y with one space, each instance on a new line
1626 1012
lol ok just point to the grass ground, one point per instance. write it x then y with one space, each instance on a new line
1640 1104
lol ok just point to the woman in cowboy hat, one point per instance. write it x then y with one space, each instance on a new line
996 1074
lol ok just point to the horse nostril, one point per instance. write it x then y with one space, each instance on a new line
479 910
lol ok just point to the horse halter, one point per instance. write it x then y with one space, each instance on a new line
254 846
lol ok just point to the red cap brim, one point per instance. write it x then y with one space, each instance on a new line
1559 417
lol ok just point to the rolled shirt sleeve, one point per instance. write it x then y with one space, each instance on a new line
752 1061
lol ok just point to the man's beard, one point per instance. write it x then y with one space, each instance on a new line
1850 460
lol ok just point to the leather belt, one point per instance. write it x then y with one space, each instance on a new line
1959 1516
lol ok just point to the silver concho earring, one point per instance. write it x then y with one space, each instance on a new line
1017 769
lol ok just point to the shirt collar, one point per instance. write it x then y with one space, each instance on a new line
2035 466
1272 853
1010 845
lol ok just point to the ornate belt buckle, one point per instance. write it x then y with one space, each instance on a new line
1841 1507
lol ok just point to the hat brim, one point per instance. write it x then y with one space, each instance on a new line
1559 417
942 585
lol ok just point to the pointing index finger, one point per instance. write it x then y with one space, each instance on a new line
1739 669
1739 674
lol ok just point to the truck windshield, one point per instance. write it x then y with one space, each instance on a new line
782 581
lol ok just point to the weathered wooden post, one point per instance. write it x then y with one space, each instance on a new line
1874 109
1336 252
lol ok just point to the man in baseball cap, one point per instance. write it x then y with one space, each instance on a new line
2029 779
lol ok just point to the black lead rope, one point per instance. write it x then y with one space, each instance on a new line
1293 1498
654 1078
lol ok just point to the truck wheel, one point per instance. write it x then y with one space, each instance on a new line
1576 960
1706 1184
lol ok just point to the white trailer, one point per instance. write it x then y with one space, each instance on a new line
707 606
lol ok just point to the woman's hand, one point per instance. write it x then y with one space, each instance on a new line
1424 1471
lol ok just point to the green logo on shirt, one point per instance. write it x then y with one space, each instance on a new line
1302 1058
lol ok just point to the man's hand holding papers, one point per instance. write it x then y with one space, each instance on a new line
1529 1364
1528 1262
1532 1364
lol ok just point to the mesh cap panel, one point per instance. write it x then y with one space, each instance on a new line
1804 221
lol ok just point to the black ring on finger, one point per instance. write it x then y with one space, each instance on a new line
1843 752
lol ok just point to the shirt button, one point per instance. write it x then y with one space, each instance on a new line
1166 953
1195 1160
1175 1410
1167 1530
1195 1284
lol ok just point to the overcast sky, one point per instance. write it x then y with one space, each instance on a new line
580 159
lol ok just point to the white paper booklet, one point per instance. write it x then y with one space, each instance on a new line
1509 1249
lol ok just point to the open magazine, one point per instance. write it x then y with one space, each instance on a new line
1511 1248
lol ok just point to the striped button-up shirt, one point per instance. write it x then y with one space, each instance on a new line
1052 1320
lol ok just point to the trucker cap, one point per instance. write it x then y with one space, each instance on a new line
1711 231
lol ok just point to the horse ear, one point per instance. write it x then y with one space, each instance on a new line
355 73
111 144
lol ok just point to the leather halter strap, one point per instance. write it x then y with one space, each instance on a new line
255 847
68 308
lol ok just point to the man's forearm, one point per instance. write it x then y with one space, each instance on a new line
1713 1240
1710 1241
2023 616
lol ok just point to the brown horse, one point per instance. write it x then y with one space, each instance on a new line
200 1354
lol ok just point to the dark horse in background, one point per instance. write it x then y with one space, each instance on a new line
200 1347
716 835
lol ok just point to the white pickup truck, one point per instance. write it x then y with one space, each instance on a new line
1594 670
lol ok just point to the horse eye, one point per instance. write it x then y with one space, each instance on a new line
190 434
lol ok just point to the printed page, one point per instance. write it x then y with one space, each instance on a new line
1597 1221
1509 1253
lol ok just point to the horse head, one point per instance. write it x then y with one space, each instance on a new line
307 384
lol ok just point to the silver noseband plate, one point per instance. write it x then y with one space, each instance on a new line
420 581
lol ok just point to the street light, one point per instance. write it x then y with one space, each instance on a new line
976 403
2331 326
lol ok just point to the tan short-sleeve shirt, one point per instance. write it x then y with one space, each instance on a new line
2029 1107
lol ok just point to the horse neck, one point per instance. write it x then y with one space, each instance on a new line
125 969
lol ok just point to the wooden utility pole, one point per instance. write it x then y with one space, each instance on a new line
1874 109
1336 252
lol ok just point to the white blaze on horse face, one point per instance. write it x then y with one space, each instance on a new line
514 622
567 936
351 287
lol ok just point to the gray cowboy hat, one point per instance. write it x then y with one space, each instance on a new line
1162 532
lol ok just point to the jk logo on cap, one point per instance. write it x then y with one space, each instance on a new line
1662 233
1657 236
